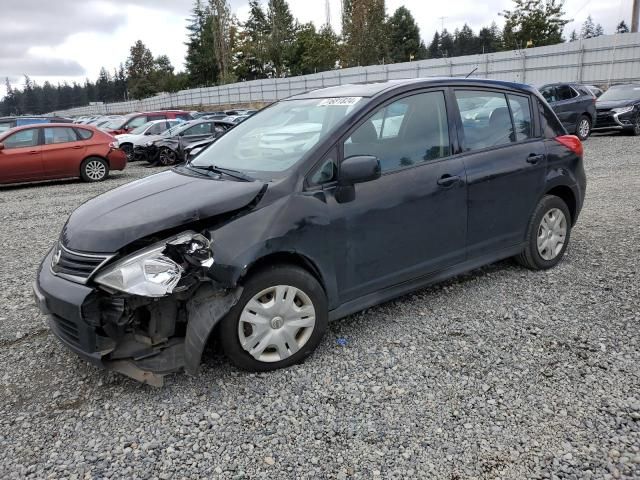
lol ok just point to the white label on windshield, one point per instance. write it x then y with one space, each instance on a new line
339 101
636 88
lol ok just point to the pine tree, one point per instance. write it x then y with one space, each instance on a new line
489 39
404 37
140 70
103 85
365 33
534 22
590 29
201 64
282 32
433 50
251 59
574 36
221 27
465 41
622 27
446 44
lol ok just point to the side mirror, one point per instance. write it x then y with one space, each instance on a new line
181 134
359 169
1 146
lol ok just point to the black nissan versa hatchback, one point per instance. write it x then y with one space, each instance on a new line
318 206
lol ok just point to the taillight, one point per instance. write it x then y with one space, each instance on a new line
572 142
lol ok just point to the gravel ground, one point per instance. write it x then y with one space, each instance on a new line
500 373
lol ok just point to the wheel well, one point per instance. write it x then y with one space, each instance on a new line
95 156
566 194
588 115
285 258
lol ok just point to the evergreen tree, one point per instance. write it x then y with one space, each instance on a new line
365 33
221 27
465 41
489 39
103 86
251 59
200 62
574 36
282 32
534 23
314 51
446 44
590 29
404 37
622 27
140 70
9 103
433 50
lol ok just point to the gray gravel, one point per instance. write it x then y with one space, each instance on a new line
501 373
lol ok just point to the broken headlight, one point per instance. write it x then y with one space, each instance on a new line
155 271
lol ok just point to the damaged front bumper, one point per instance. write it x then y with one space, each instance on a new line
143 338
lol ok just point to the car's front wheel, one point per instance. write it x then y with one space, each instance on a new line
94 169
278 321
635 130
547 234
167 156
583 128
127 148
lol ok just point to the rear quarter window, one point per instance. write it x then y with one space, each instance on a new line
84 134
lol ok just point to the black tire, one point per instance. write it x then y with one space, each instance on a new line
530 256
166 156
127 148
94 169
229 335
583 135
635 130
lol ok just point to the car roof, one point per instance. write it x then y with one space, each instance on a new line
49 125
372 89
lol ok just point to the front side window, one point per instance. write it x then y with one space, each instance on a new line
278 137
199 129
407 132
59 135
486 121
157 128
22 139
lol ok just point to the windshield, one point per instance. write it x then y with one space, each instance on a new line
176 129
277 137
621 93
116 124
141 129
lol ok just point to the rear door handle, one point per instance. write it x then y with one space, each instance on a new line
77 147
447 180
34 152
533 158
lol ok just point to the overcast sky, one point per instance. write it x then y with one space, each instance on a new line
70 40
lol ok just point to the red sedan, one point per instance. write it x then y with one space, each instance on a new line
58 150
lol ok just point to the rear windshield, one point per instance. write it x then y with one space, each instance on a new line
621 93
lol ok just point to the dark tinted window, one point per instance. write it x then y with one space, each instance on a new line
183 116
23 138
549 93
486 121
84 134
551 126
54 135
565 92
404 133
521 111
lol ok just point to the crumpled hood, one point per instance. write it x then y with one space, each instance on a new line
153 204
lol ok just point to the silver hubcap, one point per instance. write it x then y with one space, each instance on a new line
167 157
551 234
584 128
276 323
95 170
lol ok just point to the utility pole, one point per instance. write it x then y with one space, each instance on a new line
442 21
635 13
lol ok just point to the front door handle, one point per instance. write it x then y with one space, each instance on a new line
34 152
447 180
77 147
533 158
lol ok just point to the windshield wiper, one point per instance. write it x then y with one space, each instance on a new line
223 171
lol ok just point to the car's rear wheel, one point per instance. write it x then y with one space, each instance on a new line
278 321
127 148
583 128
94 169
548 234
167 156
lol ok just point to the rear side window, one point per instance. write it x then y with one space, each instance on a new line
565 92
55 135
137 121
84 134
407 132
551 126
521 111
183 116
22 139
549 94
156 117
486 121
200 129
157 128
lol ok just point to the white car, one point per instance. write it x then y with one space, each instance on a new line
138 137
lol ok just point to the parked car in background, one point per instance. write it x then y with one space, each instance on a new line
261 247
169 149
597 91
7 123
619 109
235 118
141 135
134 120
57 150
574 105
194 149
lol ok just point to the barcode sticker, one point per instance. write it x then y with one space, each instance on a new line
339 101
